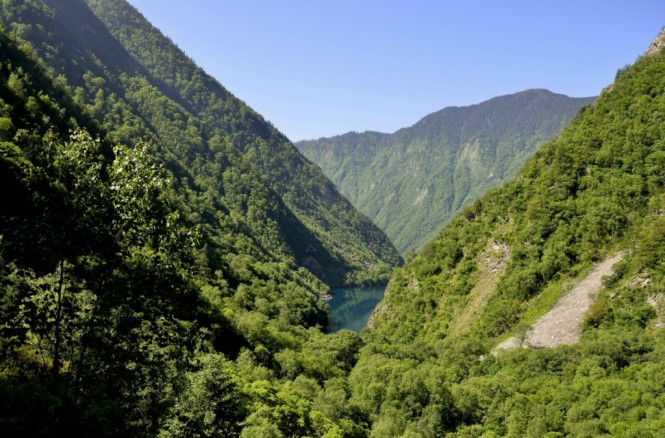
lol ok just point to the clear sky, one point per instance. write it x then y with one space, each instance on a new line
320 68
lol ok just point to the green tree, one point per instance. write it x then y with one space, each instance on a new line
210 405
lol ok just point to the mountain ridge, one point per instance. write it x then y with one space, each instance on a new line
148 287
505 263
155 90
412 181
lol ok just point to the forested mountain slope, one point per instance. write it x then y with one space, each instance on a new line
138 84
596 193
140 296
124 314
413 181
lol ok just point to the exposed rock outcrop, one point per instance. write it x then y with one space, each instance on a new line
561 325
657 44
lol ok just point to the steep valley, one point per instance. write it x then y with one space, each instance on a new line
166 254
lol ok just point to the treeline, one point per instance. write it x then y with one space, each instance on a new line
150 277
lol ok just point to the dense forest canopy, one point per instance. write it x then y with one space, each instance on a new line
151 282
594 192
143 251
138 84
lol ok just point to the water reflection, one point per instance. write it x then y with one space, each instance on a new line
351 307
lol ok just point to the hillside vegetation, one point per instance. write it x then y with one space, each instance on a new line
150 286
120 313
595 191
138 84
415 180
149 273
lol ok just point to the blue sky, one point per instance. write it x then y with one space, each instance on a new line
320 68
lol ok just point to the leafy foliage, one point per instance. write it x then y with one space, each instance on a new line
593 191
112 317
141 296
225 159
145 290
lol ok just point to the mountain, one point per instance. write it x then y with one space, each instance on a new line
538 310
120 308
102 294
155 277
415 180
138 84
148 289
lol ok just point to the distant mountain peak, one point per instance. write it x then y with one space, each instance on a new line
412 181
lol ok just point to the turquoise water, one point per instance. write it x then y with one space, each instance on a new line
351 307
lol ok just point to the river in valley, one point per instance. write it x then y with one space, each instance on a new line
351 307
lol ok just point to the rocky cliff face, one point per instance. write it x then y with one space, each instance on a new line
657 44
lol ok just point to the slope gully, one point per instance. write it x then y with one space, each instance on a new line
561 325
